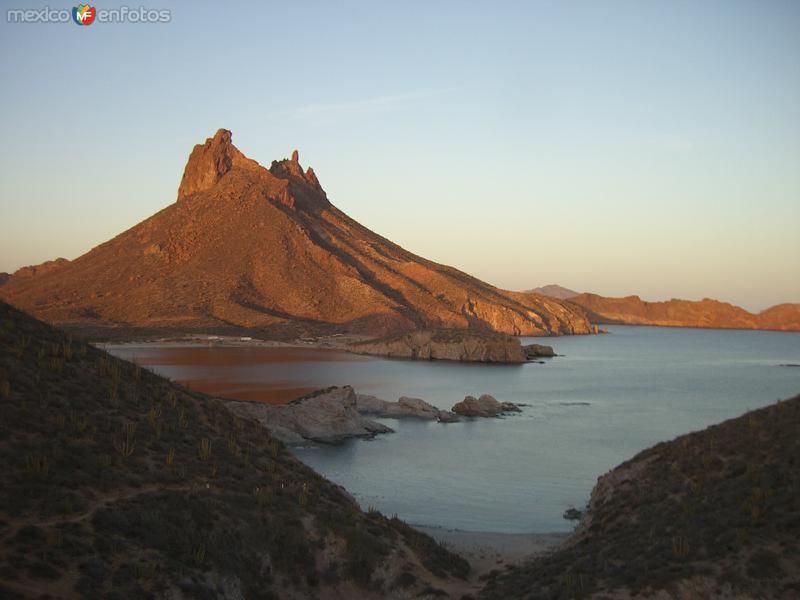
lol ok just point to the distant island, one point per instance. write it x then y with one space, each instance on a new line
706 313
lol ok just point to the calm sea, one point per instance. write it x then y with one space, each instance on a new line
604 400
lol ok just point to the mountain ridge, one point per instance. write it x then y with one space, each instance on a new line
706 313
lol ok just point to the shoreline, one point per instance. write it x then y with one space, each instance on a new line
489 551
211 341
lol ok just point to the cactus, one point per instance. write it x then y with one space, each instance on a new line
37 467
126 444
305 495
199 554
205 449
183 419
680 546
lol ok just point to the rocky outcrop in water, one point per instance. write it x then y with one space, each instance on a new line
447 344
538 351
327 416
405 407
485 406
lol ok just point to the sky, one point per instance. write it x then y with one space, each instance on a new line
619 147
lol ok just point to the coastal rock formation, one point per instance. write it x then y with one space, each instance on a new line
246 247
706 313
404 408
711 514
327 416
446 344
538 351
485 406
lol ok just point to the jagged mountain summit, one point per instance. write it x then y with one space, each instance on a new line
249 247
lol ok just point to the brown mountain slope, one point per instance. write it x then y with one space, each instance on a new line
707 313
712 514
246 246
117 483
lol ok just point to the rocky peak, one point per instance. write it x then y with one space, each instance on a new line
290 169
209 162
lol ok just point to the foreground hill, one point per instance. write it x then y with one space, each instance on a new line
632 310
250 247
118 484
712 514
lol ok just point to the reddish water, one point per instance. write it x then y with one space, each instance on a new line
271 375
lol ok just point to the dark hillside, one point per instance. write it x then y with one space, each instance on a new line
712 514
116 483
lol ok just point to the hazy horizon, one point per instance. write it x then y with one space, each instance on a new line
619 148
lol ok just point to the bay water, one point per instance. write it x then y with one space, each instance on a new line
603 400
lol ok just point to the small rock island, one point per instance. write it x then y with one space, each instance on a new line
453 344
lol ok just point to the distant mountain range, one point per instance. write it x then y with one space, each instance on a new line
554 291
706 313
246 246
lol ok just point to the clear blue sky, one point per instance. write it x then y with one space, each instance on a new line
617 147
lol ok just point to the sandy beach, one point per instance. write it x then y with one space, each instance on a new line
486 550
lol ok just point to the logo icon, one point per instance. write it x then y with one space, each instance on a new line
83 14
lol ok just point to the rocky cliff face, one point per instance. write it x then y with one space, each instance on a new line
706 313
249 247
440 344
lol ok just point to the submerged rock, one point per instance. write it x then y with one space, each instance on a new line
328 416
485 406
445 416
